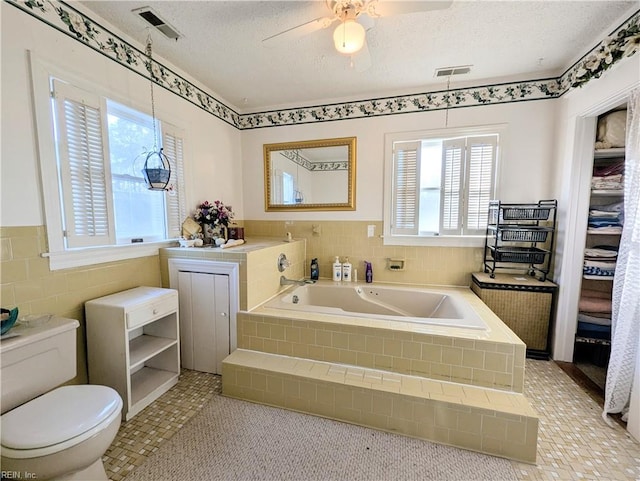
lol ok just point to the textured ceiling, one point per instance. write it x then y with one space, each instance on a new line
504 40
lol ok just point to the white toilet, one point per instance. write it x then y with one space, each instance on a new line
50 432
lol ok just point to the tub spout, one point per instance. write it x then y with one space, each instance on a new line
286 282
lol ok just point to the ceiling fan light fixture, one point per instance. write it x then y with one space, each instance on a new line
348 37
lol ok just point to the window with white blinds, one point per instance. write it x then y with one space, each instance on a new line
83 169
173 145
480 186
104 198
441 186
406 193
452 186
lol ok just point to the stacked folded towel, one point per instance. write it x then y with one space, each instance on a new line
594 314
600 262
606 219
608 177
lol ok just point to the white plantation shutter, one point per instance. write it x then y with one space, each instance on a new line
451 194
480 172
440 185
406 188
85 175
173 145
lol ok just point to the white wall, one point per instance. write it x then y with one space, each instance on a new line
212 161
525 170
324 185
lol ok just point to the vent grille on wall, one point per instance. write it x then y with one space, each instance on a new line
152 18
449 71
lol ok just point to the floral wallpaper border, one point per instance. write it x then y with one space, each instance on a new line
296 157
623 42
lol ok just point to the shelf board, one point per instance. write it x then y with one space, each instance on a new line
603 233
147 380
145 347
609 153
607 192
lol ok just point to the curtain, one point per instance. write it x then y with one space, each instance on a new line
625 333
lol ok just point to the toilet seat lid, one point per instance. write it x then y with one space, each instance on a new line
58 416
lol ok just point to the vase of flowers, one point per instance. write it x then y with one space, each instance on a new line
214 218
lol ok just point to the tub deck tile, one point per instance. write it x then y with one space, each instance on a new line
483 419
401 347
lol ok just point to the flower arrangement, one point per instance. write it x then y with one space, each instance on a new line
215 213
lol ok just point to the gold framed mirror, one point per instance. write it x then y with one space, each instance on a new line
310 175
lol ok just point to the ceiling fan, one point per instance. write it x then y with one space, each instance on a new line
355 17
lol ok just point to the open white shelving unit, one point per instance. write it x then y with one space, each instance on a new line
133 344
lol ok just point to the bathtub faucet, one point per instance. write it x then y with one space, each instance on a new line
286 282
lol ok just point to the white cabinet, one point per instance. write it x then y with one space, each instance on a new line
208 293
204 334
133 344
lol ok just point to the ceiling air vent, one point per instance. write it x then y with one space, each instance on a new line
449 71
152 18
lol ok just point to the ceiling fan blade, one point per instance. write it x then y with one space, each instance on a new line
387 8
361 60
297 32
366 21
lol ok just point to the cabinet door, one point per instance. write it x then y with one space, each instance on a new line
186 319
203 308
222 334
204 320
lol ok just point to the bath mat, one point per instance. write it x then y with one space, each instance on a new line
238 440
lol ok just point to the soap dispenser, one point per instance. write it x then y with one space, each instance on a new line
346 270
337 269
315 271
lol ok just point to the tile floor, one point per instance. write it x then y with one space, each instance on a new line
573 444
141 436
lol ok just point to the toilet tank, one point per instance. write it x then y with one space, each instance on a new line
36 359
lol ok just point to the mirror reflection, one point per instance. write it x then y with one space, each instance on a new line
310 175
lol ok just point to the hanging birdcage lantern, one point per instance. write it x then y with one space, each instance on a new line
157 169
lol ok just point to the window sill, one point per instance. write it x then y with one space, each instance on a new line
100 255
434 241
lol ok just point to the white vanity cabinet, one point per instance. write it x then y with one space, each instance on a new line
133 344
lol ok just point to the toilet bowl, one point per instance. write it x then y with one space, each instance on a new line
49 431
61 434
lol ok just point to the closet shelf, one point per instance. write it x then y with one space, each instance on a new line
609 153
607 193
